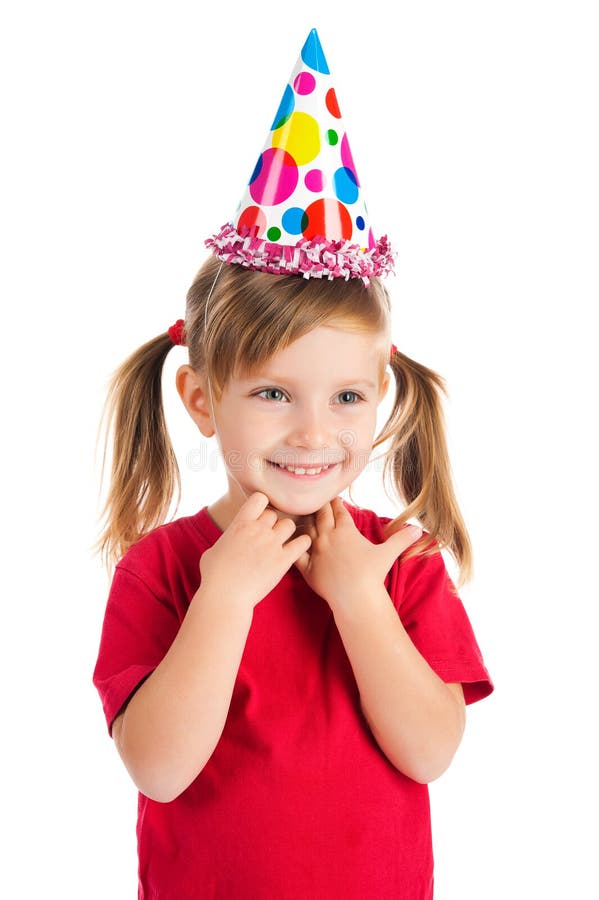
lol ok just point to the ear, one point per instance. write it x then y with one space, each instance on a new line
384 386
193 390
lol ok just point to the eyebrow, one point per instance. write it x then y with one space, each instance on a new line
265 376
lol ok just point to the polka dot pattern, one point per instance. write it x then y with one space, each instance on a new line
331 102
347 159
328 218
299 137
252 221
314 180
346 187
274 179
304 83
294 220
285 109
305 183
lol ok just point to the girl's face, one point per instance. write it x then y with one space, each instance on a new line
311 408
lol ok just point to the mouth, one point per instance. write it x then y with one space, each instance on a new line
306 472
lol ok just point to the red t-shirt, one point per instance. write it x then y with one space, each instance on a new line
297 801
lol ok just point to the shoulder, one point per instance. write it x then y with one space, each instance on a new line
424 571
379 528
369 523
166 549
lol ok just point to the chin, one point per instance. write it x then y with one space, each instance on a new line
296 510
299 507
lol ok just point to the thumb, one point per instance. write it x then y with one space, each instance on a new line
302 562
402 539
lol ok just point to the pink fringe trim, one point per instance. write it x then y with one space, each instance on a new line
317 258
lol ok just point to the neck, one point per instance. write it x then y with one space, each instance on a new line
224 510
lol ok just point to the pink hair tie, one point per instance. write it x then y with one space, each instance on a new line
393 352
177 333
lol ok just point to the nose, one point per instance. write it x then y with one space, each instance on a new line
309 430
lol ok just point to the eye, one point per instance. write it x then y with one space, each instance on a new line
271 391
353 398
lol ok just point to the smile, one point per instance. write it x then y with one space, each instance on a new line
303 471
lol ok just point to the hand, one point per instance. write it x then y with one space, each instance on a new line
342 563
251 556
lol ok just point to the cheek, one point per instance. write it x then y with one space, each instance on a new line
356 441
252 442
361 429
258 434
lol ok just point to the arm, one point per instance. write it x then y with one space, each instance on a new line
416 718
173 722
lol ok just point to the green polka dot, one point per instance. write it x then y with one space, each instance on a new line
332 137
273 234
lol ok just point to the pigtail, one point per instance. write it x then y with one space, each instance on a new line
417 463
144 470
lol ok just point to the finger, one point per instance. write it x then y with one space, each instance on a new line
301 564
249 511
298 551
268 516
324 518
340 511
284 528
404 538
397 543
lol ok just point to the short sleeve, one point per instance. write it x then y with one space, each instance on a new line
138 629
437 623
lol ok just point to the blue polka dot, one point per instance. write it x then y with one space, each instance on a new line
313 54
285 109
360 223
346 186
257 170
294 220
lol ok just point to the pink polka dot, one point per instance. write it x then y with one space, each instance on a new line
276 178
314 180
347 158
304 83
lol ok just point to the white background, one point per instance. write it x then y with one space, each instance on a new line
130 130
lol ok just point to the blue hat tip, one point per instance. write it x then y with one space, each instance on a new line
313 55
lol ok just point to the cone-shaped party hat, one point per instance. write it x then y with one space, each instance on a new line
303 211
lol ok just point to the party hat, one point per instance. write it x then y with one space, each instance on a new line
303 211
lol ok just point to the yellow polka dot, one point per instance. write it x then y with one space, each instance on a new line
300 137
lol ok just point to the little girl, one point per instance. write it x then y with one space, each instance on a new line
283 672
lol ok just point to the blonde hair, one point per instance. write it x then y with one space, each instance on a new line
250 317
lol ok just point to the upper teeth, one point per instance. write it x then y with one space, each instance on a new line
301 471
